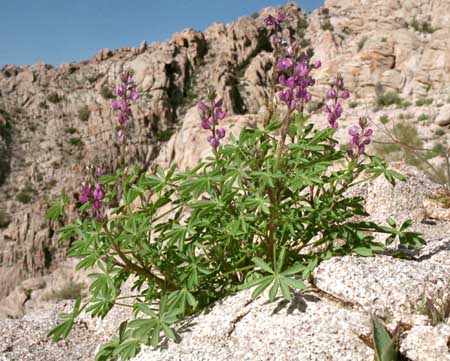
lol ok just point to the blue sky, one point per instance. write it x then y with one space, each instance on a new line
58 31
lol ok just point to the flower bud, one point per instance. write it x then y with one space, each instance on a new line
332 94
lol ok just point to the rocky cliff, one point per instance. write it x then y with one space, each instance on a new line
55 121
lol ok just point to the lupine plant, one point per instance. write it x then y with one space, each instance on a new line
261 212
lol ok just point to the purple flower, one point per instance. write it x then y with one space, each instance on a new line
202 106
284 64
98 193
270 20
213 141
220 133
345 94
85 193
115 104
317 64
281 17
219 114
120 90
332 94
205 124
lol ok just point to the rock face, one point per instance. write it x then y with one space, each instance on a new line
56 121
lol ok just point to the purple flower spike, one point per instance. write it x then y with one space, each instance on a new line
360 137
126 92
281 17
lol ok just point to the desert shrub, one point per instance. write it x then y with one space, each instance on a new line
54 98
261 212
422 27
163 135
106 92
405 104
439 132
43 105
75 141
70 130
326 25
404 116
5 218
424 101
384 119
383 39
423 117
70 290
406 134
389 98
84 113
24 197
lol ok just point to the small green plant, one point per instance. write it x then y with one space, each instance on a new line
353 104
424 101
70 130
383 39
422 27
384 119
84 113
405 116
439 132
389 98
326 25
423 117
106 92
24 197
362 42
54 98
385 345
163 135
75 141
405 104
437 310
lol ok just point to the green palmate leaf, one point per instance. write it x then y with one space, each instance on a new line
262 286
62 330
263 265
